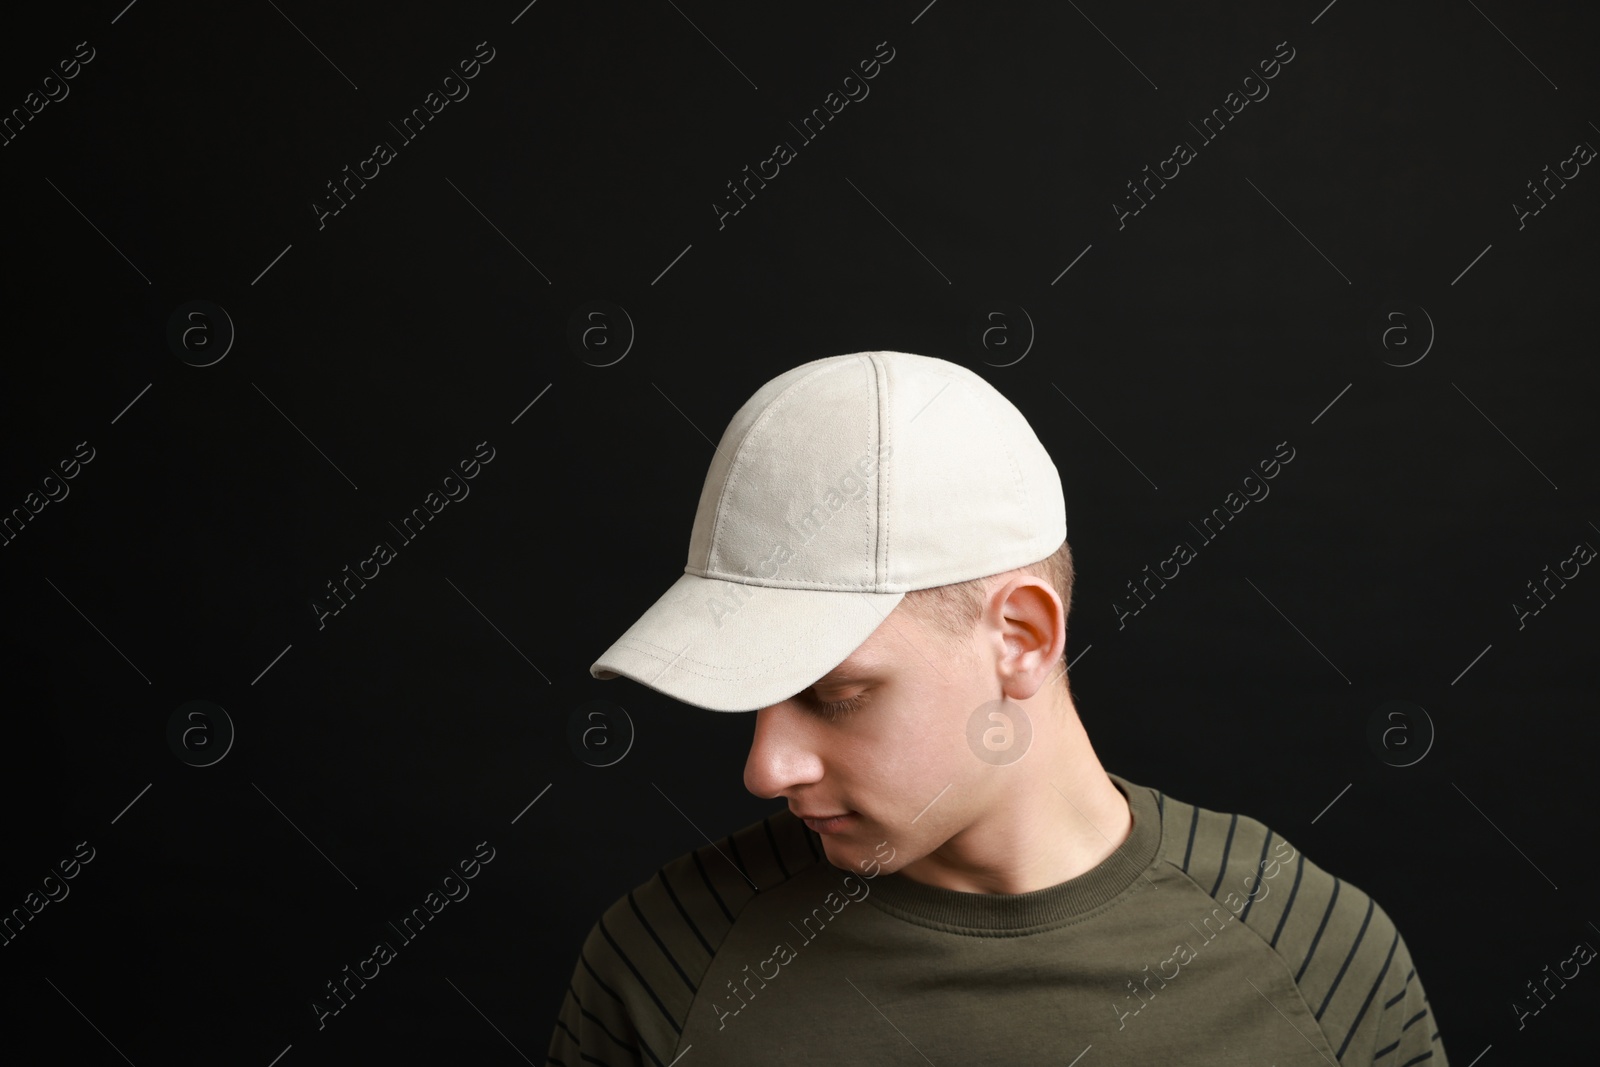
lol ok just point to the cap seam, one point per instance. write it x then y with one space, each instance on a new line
734 472
784 583
885 433
1016 472
869 533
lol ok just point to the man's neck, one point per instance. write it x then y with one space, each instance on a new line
1061 821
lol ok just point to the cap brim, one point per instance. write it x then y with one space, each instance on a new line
726 646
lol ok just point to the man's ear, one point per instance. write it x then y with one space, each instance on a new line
1031 622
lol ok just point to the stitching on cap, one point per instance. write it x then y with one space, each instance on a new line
1016 468
870 529
994 402
734 474
885 436
785 583
726 674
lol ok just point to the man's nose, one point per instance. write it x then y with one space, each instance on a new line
783 752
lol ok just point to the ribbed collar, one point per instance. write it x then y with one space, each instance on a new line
1015 914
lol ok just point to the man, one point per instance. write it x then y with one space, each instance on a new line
879 568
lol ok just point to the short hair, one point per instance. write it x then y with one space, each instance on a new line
954 609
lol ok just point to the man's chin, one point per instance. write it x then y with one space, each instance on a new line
843 854
858 857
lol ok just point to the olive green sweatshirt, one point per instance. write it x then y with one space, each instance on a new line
1205 938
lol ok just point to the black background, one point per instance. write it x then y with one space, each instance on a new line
1241 308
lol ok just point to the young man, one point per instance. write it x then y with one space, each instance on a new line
879 569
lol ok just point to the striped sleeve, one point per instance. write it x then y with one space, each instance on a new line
639 968
1406 1032
1342 949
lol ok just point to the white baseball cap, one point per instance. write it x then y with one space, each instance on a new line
837 488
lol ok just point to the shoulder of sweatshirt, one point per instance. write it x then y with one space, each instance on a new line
698 896
641 964
1343 951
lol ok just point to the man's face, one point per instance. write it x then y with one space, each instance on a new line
899 760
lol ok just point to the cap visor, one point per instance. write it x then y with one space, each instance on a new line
726 646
